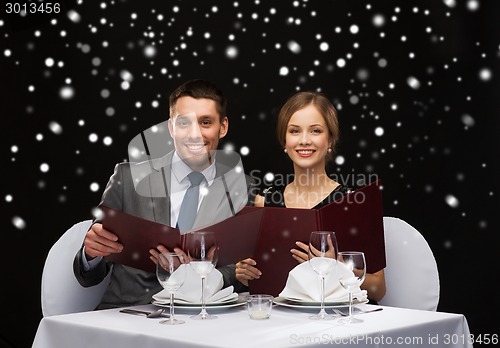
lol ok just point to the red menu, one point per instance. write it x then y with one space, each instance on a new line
236 236
356 219
137 236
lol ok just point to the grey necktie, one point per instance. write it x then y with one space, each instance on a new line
189 206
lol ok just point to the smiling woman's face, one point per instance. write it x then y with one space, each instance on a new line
196 129
307 138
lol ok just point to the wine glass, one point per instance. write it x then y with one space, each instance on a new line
322 257
171 273
202 251
355 261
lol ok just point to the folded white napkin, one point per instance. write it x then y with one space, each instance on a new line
190 291
304 285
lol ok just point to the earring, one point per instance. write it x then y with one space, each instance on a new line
330 150
285 150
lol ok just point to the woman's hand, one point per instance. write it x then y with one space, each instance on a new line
246 270
331 252
300 255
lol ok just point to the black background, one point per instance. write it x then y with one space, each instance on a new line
437 156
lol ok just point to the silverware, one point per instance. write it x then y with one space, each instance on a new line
155 314
339 312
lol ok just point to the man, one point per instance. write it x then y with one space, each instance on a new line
155 190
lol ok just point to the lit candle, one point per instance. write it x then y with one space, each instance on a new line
259 313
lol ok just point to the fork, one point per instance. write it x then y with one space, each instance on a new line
339 312
155 314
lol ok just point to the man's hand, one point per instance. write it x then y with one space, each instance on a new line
100 242
160 249
246 270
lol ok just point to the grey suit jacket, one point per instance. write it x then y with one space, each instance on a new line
142 189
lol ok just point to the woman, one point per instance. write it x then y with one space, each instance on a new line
308 130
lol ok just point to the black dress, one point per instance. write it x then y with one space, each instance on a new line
274 196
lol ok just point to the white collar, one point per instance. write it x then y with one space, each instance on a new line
181 170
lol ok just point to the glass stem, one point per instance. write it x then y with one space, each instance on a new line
350 305
322 295
171 306
203 310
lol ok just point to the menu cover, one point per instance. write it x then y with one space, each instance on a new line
356 219
236 237
138 235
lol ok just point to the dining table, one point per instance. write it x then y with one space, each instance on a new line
288 326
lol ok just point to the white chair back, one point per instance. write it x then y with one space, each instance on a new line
61 291
411 273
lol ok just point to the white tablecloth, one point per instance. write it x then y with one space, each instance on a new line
287 327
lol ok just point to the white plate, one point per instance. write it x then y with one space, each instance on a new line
218 305
281 301
233 297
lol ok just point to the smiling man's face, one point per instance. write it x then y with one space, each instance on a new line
196 128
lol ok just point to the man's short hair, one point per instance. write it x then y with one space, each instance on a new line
198 89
